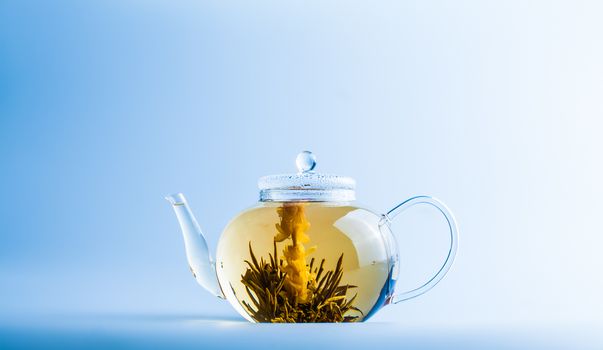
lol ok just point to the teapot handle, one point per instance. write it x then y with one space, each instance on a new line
441 207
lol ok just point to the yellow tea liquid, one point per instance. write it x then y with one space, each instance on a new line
328 233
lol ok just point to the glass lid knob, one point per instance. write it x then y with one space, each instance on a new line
305 161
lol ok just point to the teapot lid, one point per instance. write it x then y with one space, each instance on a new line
306 184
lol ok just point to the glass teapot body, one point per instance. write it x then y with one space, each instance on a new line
306 262
306 252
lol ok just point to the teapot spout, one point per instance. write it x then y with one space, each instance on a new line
200 261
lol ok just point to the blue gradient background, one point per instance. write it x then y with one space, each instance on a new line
106 106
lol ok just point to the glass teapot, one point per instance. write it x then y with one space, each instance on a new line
305 252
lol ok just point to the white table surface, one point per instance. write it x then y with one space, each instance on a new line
202 332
